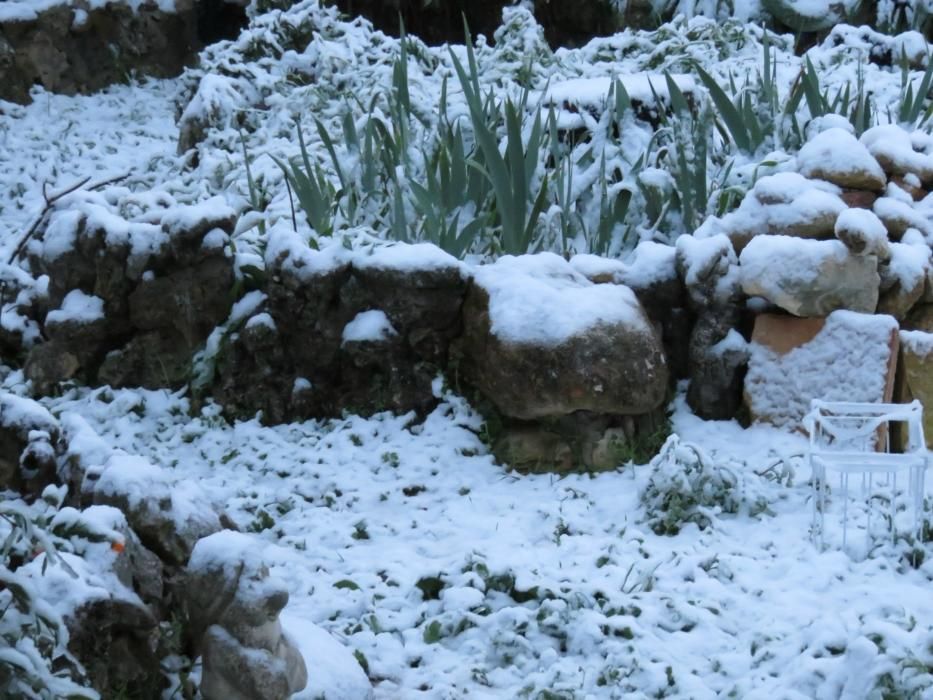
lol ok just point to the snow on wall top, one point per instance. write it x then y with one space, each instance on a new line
918 342
27 10
594 92
541 299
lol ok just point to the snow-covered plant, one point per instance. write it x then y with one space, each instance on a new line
34 659
912 105
315 193
685 486
512 175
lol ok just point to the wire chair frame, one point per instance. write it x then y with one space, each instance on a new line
855 439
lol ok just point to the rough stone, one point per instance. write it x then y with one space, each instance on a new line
897 300
917 359
920 318
718 360
534 449
809 278
859 199
169 520
301 366
111 42
158 306
610 368
30 444
50 363
116 642
863 233
709 270
859 170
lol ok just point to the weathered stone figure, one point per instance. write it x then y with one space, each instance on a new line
233 606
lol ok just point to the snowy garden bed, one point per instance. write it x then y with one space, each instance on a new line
371 305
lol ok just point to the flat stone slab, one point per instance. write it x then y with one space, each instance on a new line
846 356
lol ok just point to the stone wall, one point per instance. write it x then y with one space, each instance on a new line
73 48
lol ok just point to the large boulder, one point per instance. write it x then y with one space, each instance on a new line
542 341
809 278
652 273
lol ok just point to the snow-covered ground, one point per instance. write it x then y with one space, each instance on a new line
449 575
454 578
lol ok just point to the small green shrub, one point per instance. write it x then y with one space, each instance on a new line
686 486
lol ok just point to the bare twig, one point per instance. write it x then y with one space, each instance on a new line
49 202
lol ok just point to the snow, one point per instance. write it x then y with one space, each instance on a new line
866 227
909 264
548 586
406 257
25 414
335 672
263 319
593 93
839 152
26 10
368 326
748 605
185 218
917 342
781 386
651 263
892 144
94 580
890 208
77 307
783 203
703 259
541 300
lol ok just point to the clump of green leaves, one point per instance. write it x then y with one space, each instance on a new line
686 486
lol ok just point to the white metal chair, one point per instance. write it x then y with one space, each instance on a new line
855 438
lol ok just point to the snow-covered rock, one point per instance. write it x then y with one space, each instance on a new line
169 515
903 278
785 204
809 278
836 156
863 233
540 340
893 149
